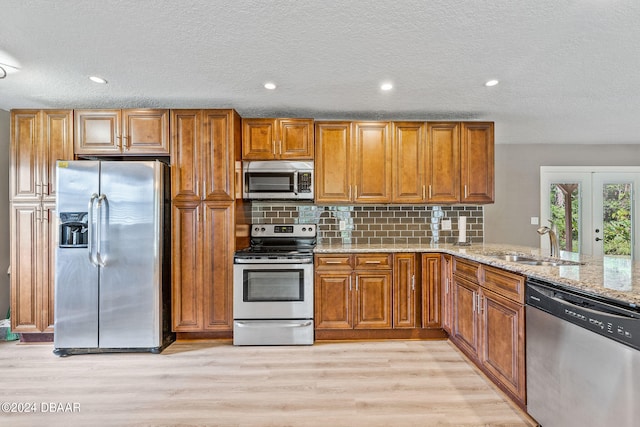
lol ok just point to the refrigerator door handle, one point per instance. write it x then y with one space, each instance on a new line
90 234
102 199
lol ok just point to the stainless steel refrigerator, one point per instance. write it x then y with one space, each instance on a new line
112 274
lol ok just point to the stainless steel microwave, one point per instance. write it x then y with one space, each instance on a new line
278 180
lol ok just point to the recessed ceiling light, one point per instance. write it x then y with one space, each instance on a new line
270 86
386 86
491 83
97 79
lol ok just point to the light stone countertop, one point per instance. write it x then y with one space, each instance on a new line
611 277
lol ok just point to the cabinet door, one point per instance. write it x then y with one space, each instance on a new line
443 162
333 162
97 132
57 144
447 293
404 291
186 268
372 163
332 300
503 346
431 304
218 154
373 300
25 266
477 163
465 317
187 155
24 176
218 246
408 143
145 132
258 139
295 139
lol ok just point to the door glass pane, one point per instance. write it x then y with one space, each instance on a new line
616 219
273 285
565 214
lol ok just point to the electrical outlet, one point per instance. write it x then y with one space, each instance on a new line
343 225
446 224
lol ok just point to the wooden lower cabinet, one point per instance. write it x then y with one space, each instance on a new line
503 348
377 296
431 284
353 298
488 323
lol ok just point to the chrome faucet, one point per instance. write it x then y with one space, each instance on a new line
553 238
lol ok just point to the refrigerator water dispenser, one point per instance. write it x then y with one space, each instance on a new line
74 230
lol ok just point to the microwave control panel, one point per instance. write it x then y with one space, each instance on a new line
304 182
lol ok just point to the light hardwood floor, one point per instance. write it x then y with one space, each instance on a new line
209 383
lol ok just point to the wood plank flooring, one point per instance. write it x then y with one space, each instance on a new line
212 383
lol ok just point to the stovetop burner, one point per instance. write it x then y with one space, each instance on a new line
283 243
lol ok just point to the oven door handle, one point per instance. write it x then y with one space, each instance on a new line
256 325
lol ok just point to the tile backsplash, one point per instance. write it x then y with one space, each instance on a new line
373 224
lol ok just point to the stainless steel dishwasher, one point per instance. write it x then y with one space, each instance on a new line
583 359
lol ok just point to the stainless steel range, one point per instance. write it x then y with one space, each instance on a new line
273 286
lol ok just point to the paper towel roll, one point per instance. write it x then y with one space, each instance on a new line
462 229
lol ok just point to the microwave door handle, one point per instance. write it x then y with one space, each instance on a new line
295 183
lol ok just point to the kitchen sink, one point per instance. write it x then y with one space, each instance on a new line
523 259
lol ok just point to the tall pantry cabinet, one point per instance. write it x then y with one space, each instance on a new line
203 149
38 139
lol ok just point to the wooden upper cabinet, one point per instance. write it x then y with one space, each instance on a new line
221 128
477 162
277 139
408 161
122 132
371 146
187 154
443 163
333 162
38 139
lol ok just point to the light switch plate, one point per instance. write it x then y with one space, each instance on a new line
535 220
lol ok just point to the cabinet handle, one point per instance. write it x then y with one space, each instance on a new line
125 143
119 138
350 279
355 191
349 192
446 285
479 304
465 191
413 282
372 262
38 189
356 284
333 262
429 191
475 303
280 147
424 192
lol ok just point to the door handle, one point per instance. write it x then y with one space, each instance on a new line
598 239
90 235
102 199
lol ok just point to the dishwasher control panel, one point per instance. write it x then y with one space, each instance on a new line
604 319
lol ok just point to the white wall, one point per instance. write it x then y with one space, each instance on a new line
4 212
518 183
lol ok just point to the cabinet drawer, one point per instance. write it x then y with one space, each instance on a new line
372 261
333 262
504 283
468 269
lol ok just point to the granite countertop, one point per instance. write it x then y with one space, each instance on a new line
611 277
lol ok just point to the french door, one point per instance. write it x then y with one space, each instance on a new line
593 208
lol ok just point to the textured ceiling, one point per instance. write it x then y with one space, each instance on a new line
569 70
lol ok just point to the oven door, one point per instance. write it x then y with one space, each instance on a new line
273 291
